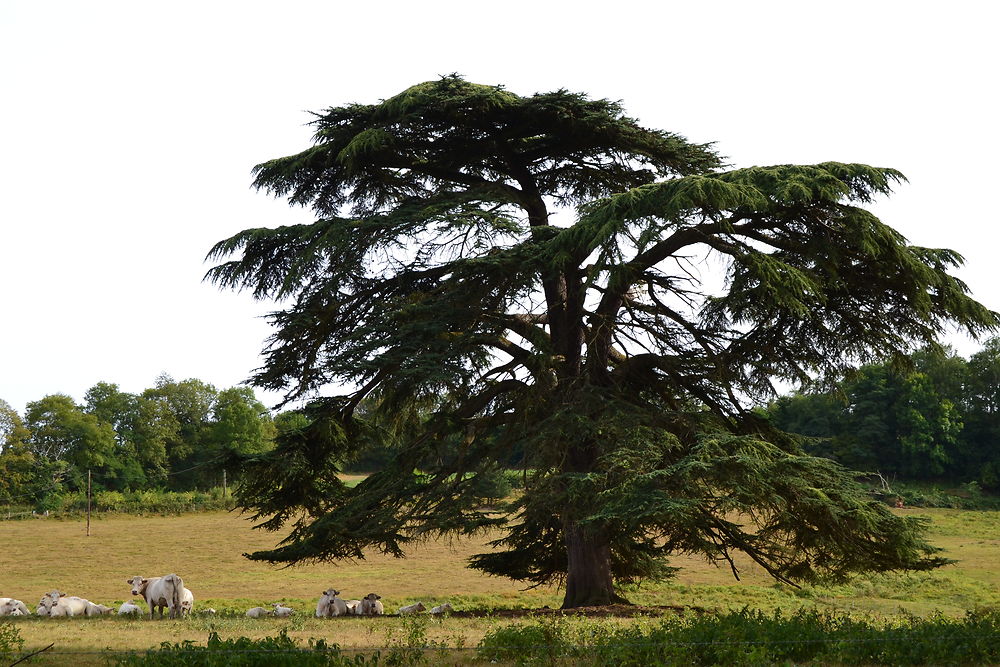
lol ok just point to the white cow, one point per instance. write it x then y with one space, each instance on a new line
441 609
129 608
330 605
353 607
97 609
412 609
281 611
257 612
371 605
187 602
57 603
160 592
9 605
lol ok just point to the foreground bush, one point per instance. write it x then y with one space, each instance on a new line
278 651
753 637
10 640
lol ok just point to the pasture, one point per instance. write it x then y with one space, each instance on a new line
205 549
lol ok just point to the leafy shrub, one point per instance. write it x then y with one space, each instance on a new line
278 651
10 640
135 502
753 637
109 501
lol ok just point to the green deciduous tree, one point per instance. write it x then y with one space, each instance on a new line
179 416
17 463
61 431
241 426
437 274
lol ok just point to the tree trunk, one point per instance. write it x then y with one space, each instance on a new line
588 572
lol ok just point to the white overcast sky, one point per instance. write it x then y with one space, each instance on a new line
128 130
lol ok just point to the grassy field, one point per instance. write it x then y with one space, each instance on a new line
205 549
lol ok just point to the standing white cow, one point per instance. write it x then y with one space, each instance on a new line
330 605
160 592
187 602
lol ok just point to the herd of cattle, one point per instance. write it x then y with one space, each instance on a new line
169 592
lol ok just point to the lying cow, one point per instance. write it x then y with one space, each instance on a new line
412 609
353 607
330 605
257 612
442 609
129 608
160 592
9 605
57 603
97 609
371 605
282 611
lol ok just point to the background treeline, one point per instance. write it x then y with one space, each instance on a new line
174 436
936 419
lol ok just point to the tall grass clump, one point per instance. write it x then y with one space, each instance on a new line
751 637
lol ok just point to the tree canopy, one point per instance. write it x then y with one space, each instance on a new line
468 324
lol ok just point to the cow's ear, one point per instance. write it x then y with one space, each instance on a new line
145 580
128 581
62 595
378 597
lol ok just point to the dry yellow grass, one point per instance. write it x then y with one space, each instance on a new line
205 549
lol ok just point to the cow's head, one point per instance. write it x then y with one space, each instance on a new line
50 600
138 584
331 593
373 597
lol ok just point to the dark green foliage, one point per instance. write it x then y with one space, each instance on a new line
176 435
276 651
755 638
931 418
472 329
